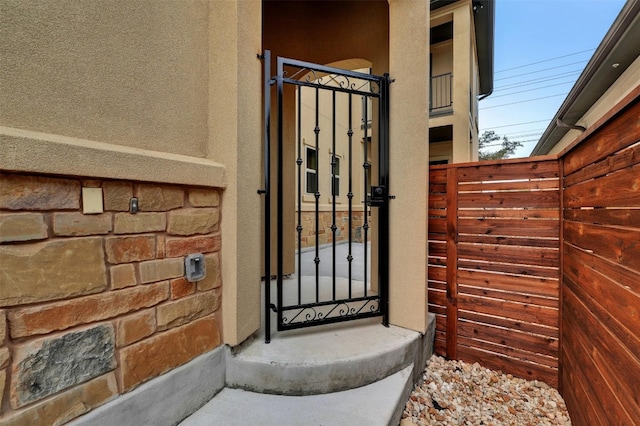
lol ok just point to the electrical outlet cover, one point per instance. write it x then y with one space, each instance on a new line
92 201
194 267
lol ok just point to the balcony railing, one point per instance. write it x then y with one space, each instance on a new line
440 95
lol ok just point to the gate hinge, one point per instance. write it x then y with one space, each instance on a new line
262 191
392 197
260 56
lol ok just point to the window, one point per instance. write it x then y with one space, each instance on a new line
335 176
311 170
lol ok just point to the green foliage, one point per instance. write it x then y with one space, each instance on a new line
489 139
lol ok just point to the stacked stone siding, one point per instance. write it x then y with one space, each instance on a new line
93 305
325 234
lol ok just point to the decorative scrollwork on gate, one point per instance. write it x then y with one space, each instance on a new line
325 313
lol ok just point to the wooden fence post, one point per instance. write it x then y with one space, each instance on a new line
452 263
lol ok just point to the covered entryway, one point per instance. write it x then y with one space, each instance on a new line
378 37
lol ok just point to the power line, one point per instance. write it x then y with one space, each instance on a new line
526 135
531 90
544 69
500 144
525 131
546 60
536 81
526 100
518 124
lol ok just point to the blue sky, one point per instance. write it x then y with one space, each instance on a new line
527 32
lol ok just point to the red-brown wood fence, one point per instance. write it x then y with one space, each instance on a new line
494 264
518 288
601 279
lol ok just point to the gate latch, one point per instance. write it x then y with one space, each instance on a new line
378 196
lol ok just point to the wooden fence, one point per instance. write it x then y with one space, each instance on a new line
497 252
601 279
494 264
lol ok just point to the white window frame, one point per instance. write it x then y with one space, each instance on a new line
308 170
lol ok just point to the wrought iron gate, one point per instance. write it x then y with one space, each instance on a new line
338 115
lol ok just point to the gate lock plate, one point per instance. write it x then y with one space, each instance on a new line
378 196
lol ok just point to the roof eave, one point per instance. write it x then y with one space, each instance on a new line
618 46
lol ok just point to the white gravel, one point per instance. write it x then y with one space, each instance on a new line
458 393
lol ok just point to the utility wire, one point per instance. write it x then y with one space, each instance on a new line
536 81
518 124
531 90
500 144
524 101
526 135
525 131
546 60
538 71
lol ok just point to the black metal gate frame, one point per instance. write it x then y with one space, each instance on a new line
377 305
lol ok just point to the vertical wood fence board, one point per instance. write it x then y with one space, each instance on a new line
452 264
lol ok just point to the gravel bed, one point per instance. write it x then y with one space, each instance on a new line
458 393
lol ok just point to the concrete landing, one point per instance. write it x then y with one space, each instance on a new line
322 359
379 403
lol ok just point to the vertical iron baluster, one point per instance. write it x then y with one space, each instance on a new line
267 196
280 227
299 163
366 166
383 217
350 193
333 192
317 194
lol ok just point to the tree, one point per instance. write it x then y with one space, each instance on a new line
488 139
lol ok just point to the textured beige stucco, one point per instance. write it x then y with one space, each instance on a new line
458 57
618 90
36 152
462 56
409 154
130 73
236 139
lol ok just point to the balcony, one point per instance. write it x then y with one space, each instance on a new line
440 94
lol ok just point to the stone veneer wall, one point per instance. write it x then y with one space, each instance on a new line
91 306
325 235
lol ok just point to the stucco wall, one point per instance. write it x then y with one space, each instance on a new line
460 58
120 72
442 58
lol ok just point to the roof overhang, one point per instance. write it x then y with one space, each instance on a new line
619 46
484 12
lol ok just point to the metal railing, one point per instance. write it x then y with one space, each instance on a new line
440 92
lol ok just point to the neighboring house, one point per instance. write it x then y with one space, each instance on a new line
131 136
611 74
461 74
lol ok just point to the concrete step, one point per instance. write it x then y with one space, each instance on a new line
324 359
380 403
